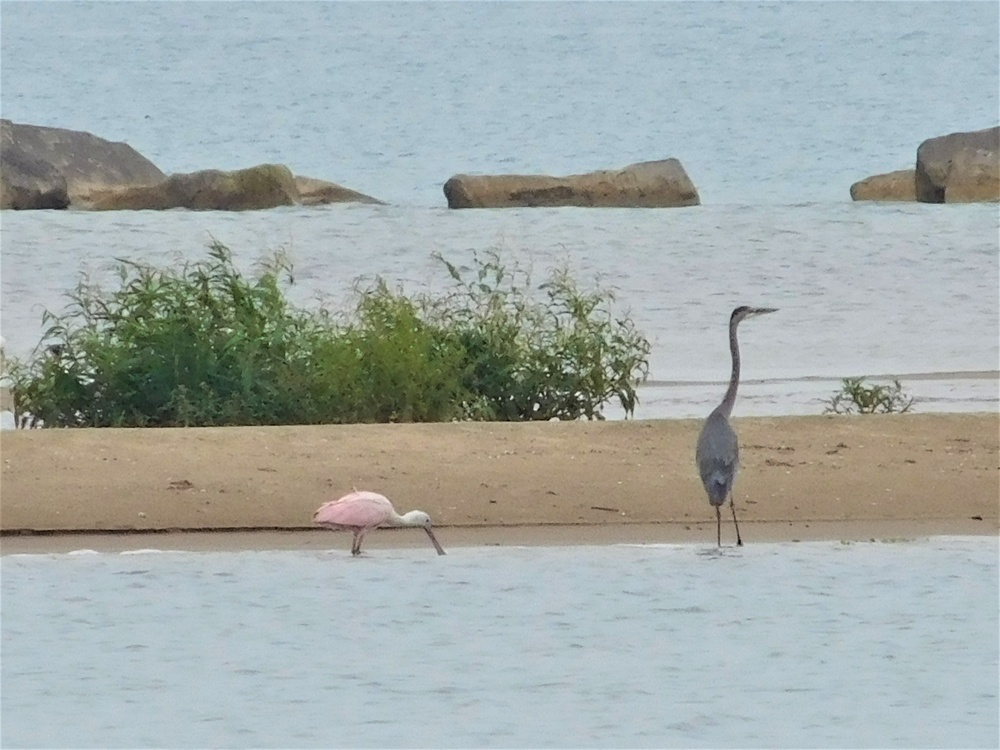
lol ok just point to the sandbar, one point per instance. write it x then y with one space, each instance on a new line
802 478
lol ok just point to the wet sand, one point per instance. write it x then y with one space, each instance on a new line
823 477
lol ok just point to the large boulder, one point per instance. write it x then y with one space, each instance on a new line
44 167
263 186
313 192
892 186
651 184
27 182
959 168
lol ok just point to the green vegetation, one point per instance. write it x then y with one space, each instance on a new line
857 398
201 344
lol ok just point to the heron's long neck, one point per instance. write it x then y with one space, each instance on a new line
726 407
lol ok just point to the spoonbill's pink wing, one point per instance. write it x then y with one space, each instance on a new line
359 509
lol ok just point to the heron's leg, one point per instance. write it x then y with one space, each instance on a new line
732 507
718 526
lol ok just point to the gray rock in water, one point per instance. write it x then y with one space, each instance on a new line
27 182
959 168
44 167
313 192
891 186
651 184
263 186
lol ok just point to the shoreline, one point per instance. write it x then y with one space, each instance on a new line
814 477
459 537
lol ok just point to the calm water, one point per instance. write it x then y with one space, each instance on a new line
763 102
863 289
775 645
775 109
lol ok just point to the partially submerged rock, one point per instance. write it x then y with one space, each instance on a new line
43 167
256 188
891 186
263 186
959 168
260 187
313 192
27 182
652 184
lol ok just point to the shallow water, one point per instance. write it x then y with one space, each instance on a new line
862 289
777 645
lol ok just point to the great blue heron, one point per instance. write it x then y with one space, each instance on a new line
718 453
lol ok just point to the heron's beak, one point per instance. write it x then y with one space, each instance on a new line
434 540
763 310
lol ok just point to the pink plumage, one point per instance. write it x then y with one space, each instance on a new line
358 509
361 511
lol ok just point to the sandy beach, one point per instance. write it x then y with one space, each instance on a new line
822 477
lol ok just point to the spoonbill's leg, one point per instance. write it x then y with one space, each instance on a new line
356 546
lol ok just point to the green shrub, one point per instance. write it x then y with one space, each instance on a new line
857 398
201 344
406 368
563 356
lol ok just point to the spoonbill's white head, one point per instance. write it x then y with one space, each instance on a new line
419 518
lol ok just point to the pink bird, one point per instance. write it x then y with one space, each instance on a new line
361 511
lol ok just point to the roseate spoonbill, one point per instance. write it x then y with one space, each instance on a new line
361 511
718 452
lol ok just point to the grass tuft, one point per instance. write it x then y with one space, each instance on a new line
855 397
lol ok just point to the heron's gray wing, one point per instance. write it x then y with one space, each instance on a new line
718 457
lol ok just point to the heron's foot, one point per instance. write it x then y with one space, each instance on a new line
739 542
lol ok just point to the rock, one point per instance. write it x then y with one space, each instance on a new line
84 162
54 168
27 182
892 186
959 168
313 192
651 184
263 186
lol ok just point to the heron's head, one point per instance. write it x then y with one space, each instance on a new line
743 312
